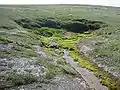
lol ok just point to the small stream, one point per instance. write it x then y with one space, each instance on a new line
88 76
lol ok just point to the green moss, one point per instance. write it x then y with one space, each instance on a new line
113 85
82 62
106 79
66 44
65 40
44 41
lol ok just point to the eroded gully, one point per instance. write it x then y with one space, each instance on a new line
88 76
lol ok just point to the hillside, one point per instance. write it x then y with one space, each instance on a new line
59 47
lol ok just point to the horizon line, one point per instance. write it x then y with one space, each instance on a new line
63 4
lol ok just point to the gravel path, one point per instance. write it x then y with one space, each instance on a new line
88 76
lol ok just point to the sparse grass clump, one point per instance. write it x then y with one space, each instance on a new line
51 69
5 40
69 70
21 78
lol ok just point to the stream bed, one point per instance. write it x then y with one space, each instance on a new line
88 76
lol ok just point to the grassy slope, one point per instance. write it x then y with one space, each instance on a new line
109 15
109 35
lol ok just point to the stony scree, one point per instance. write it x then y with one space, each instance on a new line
6 47
21 65
57 83
53 44
42 54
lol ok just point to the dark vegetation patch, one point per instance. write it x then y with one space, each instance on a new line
51 23
75 25
45 32
93 25
26 23
17 79
22 79
7 27
4 40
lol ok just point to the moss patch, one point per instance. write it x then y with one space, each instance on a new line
106 79
67 41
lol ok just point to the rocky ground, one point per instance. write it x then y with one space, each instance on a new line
51 53
57 83
16 70
46 63
87 46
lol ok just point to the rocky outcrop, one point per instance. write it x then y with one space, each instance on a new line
57 83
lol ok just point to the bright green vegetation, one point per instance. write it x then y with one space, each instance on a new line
29 26
67 41
83 62
106 79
